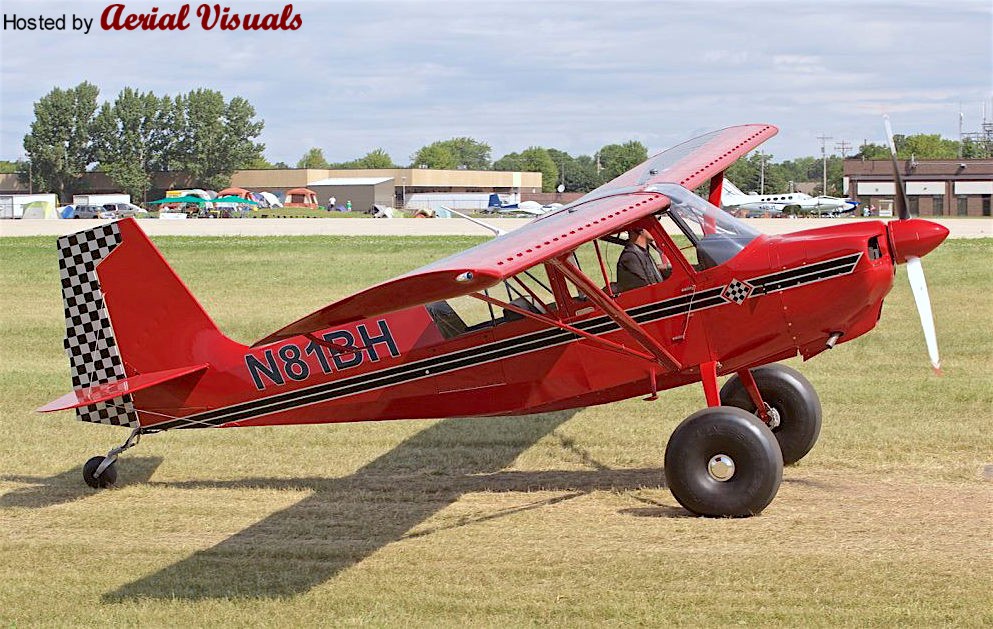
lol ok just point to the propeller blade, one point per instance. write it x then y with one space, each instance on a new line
902 206
915 272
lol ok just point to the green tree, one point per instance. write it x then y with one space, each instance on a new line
8 167
537 159
511 162
744 174
617 159
133 139
60 143
435 156
216 137
260 163
977 149
466 153
584 176
800 169
919 146
314 158
577 174
372 160
835 177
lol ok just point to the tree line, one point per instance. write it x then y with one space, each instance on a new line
581 173
208 137
139 133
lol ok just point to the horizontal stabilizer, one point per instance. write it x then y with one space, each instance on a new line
117 388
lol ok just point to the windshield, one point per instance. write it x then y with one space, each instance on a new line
717 235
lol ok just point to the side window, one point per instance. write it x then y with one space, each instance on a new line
686 247
530 291
461 315
589 262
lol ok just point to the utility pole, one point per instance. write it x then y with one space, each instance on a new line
961 120
762 157
843 147
824 139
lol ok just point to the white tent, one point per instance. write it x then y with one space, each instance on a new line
271 199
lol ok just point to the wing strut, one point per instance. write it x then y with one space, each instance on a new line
621 318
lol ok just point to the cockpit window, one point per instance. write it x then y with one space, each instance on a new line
716 235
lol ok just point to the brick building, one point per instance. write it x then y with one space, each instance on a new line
935 187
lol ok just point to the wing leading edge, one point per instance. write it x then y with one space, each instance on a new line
606 210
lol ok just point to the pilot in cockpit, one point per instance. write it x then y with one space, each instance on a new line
636 267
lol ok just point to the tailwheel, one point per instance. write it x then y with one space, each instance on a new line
98 478
100 472
723 462
792 405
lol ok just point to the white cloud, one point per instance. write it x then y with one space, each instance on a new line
570 75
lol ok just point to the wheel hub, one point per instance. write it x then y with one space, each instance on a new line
774 418
721 467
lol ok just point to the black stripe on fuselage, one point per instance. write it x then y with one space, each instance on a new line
505 348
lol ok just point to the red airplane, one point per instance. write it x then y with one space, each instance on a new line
144 354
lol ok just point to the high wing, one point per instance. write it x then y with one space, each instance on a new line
606 210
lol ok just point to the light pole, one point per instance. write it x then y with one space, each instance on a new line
762 157
824 139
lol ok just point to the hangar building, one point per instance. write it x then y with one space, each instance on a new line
402 182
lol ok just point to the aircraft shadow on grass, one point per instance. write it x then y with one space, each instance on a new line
48 491
345 520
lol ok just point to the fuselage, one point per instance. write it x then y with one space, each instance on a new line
779 297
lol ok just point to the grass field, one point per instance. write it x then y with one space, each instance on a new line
556 519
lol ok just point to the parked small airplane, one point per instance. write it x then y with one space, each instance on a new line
733 199
569 333
524 208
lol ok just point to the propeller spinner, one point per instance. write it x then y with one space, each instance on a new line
912 238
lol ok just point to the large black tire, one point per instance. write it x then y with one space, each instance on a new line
793 398
723 431
106 479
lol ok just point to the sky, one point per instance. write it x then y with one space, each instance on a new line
571 75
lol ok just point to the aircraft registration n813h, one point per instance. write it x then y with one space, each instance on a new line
551 328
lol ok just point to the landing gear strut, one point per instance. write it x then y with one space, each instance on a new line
793 410
100 472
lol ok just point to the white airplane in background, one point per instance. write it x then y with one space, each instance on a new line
732 198
524 208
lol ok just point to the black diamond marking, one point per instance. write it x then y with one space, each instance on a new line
737 292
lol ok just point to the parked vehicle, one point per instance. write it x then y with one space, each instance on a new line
120 210
88 211
100 199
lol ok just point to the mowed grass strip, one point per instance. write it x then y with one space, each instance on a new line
554 519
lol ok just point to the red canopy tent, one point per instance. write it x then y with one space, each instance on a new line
237 192
301 197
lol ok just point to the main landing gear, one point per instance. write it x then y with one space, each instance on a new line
723 462
790 401
100 472
727 460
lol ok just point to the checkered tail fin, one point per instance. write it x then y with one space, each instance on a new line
127 314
